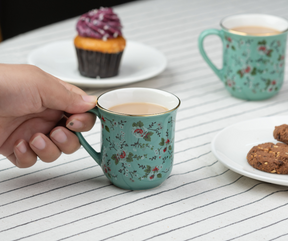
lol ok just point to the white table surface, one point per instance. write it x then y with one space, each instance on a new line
71 199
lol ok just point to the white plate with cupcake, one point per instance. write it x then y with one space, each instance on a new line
99 56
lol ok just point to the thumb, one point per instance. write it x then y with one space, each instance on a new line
58 95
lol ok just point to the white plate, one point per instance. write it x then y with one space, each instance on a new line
232 144
139 62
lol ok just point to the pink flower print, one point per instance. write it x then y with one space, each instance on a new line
138 131
273 82
247 70
106 170
229 39
102 126
227 46
165 149
168 141
262 48
156 169
270 89
103 118
282 57
230 83
151 177
123 154
109 169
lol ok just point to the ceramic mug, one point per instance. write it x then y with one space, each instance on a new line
253 66
136 150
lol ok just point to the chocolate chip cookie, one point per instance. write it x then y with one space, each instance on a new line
281 133
269 157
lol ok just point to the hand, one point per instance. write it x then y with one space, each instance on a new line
32 102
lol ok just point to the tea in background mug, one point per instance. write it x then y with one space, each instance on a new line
253 63
136 150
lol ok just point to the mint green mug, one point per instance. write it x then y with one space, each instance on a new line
253 66
136 150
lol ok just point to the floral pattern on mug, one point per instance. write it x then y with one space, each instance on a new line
253 63
128 158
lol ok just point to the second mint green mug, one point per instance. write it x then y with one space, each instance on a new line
137 151
253 66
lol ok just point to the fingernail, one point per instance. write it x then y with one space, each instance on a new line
39 143
21 147
89 98
75 124
59 136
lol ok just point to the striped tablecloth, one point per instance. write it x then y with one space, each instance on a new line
71 199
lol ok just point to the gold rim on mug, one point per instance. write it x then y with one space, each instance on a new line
123 114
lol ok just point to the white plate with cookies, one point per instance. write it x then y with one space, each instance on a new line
232 144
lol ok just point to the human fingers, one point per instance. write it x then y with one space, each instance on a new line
65 140
43 123
71 87
22 156
44 148
81 122
60 96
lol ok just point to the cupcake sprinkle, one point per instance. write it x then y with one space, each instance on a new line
101 24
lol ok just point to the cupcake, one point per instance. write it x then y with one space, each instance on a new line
99 43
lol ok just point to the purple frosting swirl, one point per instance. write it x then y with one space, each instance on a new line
101 24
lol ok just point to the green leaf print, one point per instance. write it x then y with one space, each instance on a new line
162 142
114 157
159 175
148 169
269 52
107 128
262 42
254 71
170 148
138 124
268 81
233 47
279 57
130 157
240 73
147 137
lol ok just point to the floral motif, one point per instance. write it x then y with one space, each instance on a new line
149 146
253 64
151 174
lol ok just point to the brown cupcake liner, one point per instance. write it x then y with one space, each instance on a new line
96 64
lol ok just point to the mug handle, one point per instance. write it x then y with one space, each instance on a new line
94 154
201 38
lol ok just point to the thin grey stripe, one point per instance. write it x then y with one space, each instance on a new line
226 117
219 214
47 168
108 210
168 204
92 189
283 235
48 179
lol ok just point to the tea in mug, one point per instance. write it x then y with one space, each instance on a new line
135 108
254 30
